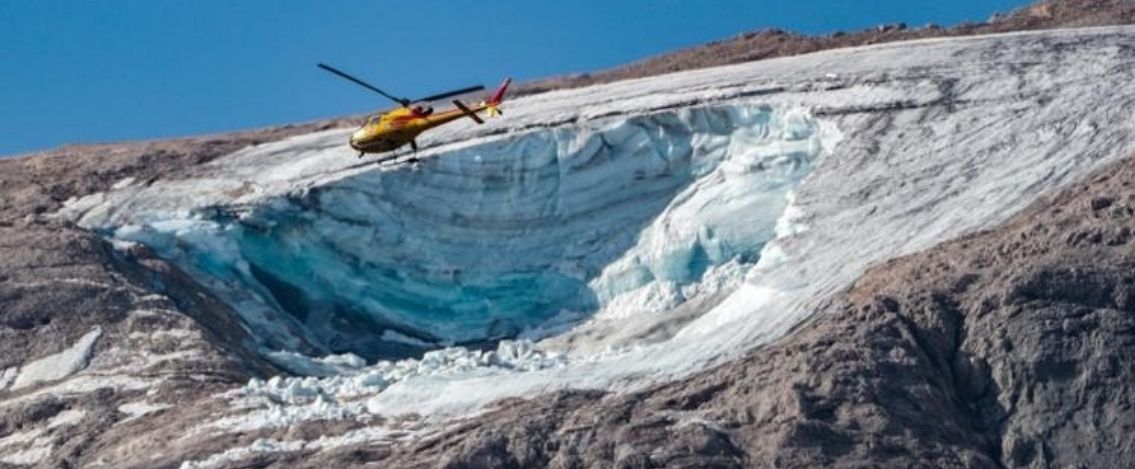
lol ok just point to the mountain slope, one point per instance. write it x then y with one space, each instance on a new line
732 323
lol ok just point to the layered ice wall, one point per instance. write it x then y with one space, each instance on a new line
500 239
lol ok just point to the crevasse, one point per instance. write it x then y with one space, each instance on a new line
492 240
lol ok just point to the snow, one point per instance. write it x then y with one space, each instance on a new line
7 376
262 445
140 408
83 383
66 418
173 335
36 444
18 438
724 204
28 456
230 456
60 365
125 182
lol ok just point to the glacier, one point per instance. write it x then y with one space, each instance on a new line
499 239
624 233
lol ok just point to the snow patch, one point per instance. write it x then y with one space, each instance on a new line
59 365
8 376
140 408
82 384
37 445
21 437
66 418
123 183
28 456
175 334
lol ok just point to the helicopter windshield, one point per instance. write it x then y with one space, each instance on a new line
374 119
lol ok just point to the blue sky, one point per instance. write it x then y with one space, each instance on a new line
87 71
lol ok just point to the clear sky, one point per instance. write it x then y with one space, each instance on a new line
96 71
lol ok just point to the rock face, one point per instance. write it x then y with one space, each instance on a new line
1008 348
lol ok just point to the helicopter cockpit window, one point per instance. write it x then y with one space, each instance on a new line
373 120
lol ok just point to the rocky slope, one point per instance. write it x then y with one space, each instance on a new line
93 336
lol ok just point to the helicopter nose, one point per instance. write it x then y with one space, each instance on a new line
357 138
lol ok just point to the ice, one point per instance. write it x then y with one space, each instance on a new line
726 215
59 365
394 336
494 240
720 205
329 365
336 385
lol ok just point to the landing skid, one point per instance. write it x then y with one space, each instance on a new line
396 160
392 160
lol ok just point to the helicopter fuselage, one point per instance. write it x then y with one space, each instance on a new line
393 130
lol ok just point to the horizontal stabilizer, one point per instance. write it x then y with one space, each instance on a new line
468 112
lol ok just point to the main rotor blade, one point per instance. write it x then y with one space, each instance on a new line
402 101
448 94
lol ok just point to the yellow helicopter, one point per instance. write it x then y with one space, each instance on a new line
389 131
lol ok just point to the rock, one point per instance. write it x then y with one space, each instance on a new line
1100 203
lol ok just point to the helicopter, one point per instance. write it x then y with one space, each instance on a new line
391 130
